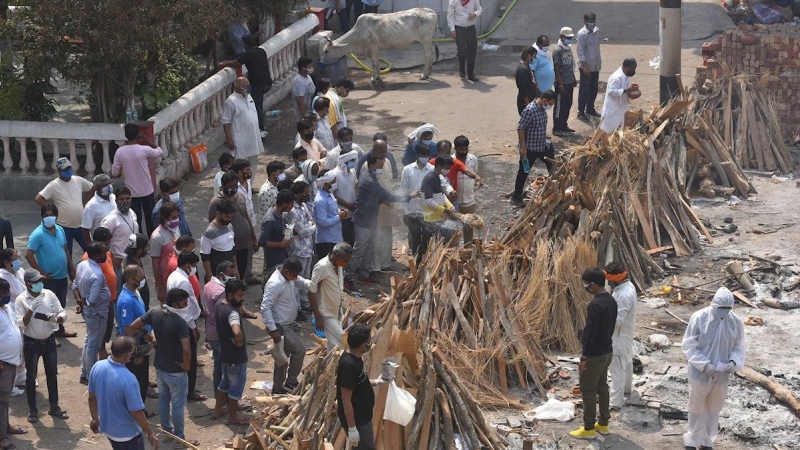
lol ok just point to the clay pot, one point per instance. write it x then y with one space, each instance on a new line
634 94
748 39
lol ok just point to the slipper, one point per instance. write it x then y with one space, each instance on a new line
8 446
180 445
197 397
150 414
33 417
240 421
17 429
58 413
216 416
67 334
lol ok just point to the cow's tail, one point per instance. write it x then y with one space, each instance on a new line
436 48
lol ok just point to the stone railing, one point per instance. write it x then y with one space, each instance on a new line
192 119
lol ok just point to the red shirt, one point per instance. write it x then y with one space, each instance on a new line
457 168
108 273
173 266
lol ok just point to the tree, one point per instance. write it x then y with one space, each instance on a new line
106 43
276 9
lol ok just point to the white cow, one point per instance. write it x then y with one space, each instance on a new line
373 32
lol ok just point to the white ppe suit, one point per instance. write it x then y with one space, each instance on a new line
621 367
616 101
712 340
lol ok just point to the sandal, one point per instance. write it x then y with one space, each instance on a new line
8 446
216 416
179 445
197 397
58 413
150 414
240 421
17 429
33 417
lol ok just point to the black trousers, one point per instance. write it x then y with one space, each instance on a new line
587 93
192 366
370 9
532 157
323 249
349 231
32 350
241 262
136 443
142 374
356 6
143 206
563 105
419 245
467 44
258 93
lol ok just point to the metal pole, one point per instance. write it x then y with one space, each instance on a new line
670 37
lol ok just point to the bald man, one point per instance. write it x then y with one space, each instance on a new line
381 148
240 122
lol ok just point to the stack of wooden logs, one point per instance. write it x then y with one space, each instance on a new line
747 122
459 344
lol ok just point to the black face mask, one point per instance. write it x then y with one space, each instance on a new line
308 136
306 199
229 192
631 73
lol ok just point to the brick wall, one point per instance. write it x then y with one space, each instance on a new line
776 51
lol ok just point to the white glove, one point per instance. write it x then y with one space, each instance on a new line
35 304
710 371
731 367
380 380
353 437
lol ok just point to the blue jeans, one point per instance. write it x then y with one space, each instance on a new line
234 377
172 390
95 329
74 234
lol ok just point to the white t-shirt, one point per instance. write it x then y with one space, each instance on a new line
68 198
121 227
96 210
241 113
303 86
466 185
346 185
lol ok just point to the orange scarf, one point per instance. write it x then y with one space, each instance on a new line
616 277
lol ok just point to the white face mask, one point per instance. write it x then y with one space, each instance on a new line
723 313
446 172
175 197
422 161
378 171
193 270
142 283
548 107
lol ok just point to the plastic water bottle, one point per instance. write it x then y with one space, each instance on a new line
275 113
135 114
128 114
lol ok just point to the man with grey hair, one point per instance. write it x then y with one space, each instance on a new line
98 206
327 287
240 123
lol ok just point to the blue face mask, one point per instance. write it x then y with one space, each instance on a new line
590 26
249 89
351 165
282 177
16 265
567 41
37 287
723 313
49 221
429 142
107 190
67 174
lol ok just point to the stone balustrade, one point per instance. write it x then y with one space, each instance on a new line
192 119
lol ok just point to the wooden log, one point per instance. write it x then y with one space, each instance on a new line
458 403
741 297
447 419
781 393
736 269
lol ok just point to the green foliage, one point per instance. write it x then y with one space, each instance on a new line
176 74
21 99
277 9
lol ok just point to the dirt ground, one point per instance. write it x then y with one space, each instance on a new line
485 112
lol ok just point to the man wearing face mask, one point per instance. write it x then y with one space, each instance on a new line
121 222
68 193
323 132
179 279
130 307
596 355
346 193
302 246
162 246
213 295
327 285
10 361
436 207
424 135
714 348
617 100
273 238
316 151
564 65
269 190
217 242
245 187
380 147
279 312
327 215
170 193
240 123
464 183
542 66
47 253
589 63
346 145
38 314
233 352
134 254
533 144
93 297
255 58
303 88
103 236
337 120
621 367
135 161
410 182
98 207
243 232
299 156
365 221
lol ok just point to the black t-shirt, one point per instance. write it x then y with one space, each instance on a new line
257 66
230 353
524 78
169 330
601 317
431 184
352 375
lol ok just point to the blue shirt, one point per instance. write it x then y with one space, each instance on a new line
410 156
542 68
91 284
183 225
49 251
370 195
117 393
326 214
129 308
389 157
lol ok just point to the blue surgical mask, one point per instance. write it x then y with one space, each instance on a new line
545 48
282 177
566 41
429 142
590 25
351 165
37 287
49 221
66 174
107 190
422 160
723 313
16 265
249 89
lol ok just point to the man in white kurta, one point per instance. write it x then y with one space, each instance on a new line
621 367
240 122
616 102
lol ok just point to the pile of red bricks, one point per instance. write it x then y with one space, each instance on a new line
756 50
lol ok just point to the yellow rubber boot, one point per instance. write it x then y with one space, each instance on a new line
582 433
602 429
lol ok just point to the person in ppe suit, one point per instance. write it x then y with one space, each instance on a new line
714 348
621 367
